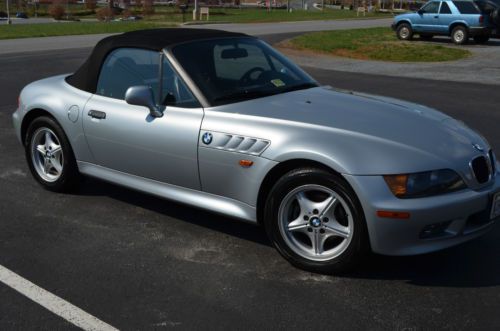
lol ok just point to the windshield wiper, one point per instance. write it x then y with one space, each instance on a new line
245 95
297 87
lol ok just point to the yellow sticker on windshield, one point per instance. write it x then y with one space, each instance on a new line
278 82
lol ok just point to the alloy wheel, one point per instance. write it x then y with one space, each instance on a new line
47 155
315 222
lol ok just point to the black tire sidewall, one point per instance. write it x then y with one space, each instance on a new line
295 178
68 179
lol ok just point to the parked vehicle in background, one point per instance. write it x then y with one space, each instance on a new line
274 4
491 8
3 15
458 19
21 15
130 18
165 2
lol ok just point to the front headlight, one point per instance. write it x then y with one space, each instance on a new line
424 184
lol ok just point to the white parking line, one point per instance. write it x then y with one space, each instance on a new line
58 306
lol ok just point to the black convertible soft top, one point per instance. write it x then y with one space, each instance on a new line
85 78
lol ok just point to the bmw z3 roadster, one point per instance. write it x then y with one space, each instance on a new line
222 121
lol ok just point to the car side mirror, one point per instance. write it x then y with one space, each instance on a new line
142 95
421 11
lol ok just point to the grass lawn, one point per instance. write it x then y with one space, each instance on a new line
71 28
374 44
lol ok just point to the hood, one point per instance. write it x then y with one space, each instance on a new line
389 125
406 15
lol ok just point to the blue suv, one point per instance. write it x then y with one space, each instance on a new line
458 19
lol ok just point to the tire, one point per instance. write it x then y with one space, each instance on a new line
404 31
460 35
426 36
482 39
331 243
52 161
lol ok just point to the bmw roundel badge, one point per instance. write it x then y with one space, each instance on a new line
207 138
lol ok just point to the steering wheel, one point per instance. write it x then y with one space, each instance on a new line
247 77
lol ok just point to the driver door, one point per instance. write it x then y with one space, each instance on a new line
127 138
427 17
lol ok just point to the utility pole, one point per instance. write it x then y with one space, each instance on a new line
195 10
8 12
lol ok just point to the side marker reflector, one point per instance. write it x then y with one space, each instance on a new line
393 214
246 163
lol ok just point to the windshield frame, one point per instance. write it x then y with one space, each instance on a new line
204 100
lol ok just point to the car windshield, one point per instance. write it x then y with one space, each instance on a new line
236 69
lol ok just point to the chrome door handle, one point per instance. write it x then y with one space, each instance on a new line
97 114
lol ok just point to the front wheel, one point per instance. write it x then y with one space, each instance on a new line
404 31
460 35
316 222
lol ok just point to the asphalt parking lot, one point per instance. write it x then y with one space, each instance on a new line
139 263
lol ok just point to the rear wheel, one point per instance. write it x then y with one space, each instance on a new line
482 39
49 155
404 31
316 222
460 35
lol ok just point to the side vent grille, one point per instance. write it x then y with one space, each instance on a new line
236 143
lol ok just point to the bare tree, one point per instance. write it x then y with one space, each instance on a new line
147 7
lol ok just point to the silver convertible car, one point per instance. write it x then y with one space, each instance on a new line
222 121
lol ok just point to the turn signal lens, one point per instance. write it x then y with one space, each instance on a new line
397 184
246 163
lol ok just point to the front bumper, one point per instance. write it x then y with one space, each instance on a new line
459 217
16 121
